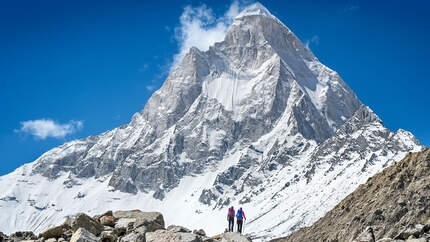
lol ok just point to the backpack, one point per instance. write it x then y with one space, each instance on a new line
230 212
239 214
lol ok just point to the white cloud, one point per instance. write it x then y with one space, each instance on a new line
314 40
44 128
200 28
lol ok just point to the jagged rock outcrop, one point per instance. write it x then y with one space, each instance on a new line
395 204
256 120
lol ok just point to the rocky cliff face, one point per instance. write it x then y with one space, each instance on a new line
256 120
395 203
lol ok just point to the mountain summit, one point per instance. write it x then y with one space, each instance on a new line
255 9
256 120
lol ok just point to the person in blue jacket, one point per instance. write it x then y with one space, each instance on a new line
240 215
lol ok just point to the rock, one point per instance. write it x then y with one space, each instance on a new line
108 213
68 234
3 237
51 240
141 230
151 220
232 236
83 235
125 223
107 228
127 214
366 236
68 221
22 235
55 232
84 221
107 220
417 240
136 235
108 236
119 231
405 234
427 226
200 232
133 237
176 229
385 240
165 235
61 240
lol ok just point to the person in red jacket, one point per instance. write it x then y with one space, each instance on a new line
240 215
230 219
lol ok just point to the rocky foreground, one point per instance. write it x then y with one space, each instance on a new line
122 226
392 206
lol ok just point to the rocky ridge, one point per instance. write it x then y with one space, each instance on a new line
120 226
393 205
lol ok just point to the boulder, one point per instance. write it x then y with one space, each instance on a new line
61 240
84 221
232 236
141 230
68 221
108 213
107 220
426 227
125 223
51 240
133 237
165 235
108 236
54 232
119 231
3 237
366 236
385 240
127 214
22 235
136 235
151 220
416 240
200 232
107 228
412 231
83 235
176 229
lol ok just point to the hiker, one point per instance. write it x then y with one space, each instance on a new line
230 219
240 215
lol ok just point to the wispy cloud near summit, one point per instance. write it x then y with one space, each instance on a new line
199 27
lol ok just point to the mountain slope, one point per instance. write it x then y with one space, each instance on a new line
256 120
389 201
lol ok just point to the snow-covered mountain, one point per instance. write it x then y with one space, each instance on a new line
256 121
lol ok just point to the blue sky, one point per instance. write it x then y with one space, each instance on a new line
70 69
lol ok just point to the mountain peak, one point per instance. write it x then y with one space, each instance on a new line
255 9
